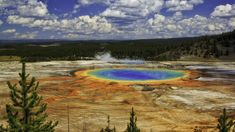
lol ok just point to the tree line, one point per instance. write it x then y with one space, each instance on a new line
213 46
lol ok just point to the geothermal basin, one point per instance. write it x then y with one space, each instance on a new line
185 96
136 75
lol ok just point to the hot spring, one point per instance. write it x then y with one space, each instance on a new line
126 74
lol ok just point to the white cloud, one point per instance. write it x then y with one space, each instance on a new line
1 22
200 25
161 26
75 8
178 15
121 19
232 22
9 31
33 8
156 20
19 20
211 27
82 24
177 25
24 7
88 2
27 35
224 10
113 13
6 3
171 27
71 36
180 5
134 8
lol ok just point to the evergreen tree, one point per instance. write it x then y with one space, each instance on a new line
225 123
108 129
227 52
27 113
132 126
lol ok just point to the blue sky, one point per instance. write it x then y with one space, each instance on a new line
114 19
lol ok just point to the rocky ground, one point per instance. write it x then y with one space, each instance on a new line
181 105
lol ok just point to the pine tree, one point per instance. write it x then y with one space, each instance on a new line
132 126
227 52
225 123
108 129
27 112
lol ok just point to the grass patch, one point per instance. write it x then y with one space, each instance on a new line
10 58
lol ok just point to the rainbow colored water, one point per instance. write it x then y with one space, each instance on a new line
126 74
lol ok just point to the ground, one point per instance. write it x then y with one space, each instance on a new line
179 105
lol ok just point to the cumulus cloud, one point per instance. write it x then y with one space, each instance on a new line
194 26
82 24
19 20
171 27
134 8
124 19
87 2
24 7
7 7
177 25
6 3
232 22
33 8
27 35
9 31
211 27
71 36
158 19
1 22
113 13
180 5
224 10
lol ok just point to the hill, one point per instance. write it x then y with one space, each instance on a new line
205 47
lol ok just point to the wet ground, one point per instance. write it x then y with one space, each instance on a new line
179 105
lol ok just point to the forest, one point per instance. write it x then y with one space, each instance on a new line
214 46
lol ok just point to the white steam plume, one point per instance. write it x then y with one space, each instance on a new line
107 57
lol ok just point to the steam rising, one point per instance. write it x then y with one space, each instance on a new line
107 57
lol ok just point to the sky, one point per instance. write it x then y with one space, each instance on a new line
114 19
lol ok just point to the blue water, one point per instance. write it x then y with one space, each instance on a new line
135 74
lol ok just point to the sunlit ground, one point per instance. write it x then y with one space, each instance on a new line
174 105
